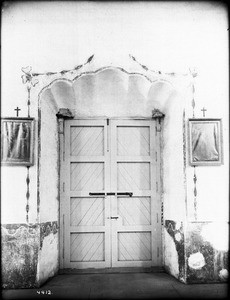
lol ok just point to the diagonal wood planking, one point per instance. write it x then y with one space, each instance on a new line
86 140
87 211
134 176
134 246
135 210
87 247
87 176
133 140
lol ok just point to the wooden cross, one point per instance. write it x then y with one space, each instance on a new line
17 110
204 110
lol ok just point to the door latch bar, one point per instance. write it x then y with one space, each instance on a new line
97 194
125 194
130 194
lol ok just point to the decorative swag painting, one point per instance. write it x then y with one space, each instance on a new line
17 137
205 142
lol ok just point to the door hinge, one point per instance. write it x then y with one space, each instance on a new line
63 148
156 156
157 218
63 186
158 252
61 126
158 127
157 186
107 122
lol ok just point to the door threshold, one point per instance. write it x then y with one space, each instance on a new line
112 270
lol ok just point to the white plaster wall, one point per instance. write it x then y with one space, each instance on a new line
48 162
170 255
13 195
48 258
52 36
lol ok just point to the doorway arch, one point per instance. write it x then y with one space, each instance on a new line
110 92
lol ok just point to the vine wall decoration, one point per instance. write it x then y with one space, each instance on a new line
30 82
156 71
194 74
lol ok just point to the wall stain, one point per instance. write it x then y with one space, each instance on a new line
21 244
215 268
46 229
19 255
197 256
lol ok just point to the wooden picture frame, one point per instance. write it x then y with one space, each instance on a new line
17 141
205 142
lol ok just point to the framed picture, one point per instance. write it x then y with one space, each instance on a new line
205 142
17 141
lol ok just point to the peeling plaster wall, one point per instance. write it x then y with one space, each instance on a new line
48 255
197 252
174 249
207 252
20 246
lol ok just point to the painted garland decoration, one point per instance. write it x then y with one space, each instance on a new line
195 193
27 194
28 79
157 71
194 74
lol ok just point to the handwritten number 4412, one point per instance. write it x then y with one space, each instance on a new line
44 292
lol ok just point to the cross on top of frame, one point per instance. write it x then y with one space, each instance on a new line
17 109
203 110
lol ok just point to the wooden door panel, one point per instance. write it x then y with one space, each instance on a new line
86 223
133 175
133 169
86 140
133 140
87 176
134 210
87 247
87 211
134 246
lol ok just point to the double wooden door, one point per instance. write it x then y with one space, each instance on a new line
110 204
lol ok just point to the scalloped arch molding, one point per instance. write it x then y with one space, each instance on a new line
111 92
